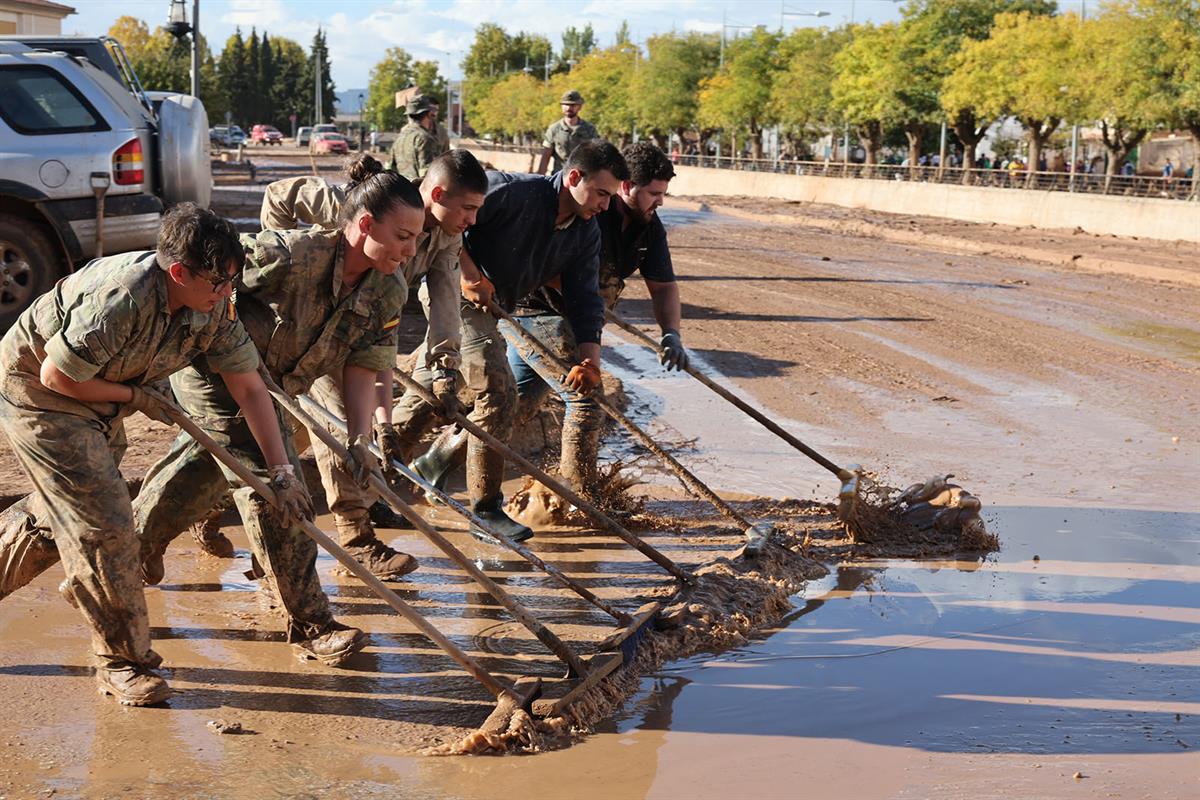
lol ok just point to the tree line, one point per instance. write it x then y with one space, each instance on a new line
1130 68
256 79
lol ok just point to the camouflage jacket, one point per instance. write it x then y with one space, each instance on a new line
413 151
315 202
562 138
290 298
111 320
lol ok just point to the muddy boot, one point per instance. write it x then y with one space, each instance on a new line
446 453
207 534
153 569
132 685
491 512
382 516
26 550
332 647
359 540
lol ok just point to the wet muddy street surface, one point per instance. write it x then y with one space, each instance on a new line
1067 401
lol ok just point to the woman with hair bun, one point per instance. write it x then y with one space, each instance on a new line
315 302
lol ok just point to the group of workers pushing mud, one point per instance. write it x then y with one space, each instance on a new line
212 322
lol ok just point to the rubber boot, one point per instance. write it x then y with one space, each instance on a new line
132 685
207 534
382 516
485 475
447 452
332 647
358 538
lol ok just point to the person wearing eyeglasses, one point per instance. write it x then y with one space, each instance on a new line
81 359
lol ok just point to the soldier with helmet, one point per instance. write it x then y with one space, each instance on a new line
565 134
417 145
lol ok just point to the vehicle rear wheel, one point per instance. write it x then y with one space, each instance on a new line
29 266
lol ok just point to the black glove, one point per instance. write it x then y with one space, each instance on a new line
445 391
671 353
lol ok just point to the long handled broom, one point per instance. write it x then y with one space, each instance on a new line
933 504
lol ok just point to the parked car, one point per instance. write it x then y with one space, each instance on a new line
266 134
329 143
303 135
325 127
74 125
226 136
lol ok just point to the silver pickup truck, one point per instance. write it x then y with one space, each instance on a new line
83 149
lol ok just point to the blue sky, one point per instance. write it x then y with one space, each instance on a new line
360 30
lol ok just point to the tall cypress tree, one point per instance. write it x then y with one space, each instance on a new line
254 76
232 71
266 82
328 95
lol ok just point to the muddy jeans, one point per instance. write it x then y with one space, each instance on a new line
188 482
72 461
489 380
535 378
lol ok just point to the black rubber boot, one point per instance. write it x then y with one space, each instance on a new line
382 516
448 451
491 512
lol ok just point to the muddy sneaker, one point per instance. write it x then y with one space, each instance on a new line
133 685
382 516
207 534
332 647
383 562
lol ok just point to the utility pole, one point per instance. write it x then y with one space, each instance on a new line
318 114
195 48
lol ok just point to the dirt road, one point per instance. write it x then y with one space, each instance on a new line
1036 385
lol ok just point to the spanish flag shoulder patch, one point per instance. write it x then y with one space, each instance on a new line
231 310
393 322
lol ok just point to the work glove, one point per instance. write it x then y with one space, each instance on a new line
292 501
445 390
362 463
388 440
671 353
478 293
151 404
583 378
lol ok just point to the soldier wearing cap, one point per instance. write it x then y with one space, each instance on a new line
566 134
417 146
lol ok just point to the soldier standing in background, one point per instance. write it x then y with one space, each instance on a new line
417 146
566 134
439 130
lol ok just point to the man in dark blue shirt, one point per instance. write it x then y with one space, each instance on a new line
531 230
633 240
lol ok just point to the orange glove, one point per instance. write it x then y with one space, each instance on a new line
583 378
478 293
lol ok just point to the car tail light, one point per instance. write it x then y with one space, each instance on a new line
128 167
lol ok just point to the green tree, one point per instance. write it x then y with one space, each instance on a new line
319 54
801 91
515 107
431 82
493 56
266 82
866 84
163 62
666 85
737 97
292 90
578 43
254 100
392 74
605 78
623 35
235 76
1179 26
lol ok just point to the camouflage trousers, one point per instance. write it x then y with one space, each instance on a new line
80 501
188 482
489 382
348 501
535 379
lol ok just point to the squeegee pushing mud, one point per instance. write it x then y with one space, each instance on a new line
870 510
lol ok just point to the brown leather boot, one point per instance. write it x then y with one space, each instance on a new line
133 685
207 534
358 538
332 647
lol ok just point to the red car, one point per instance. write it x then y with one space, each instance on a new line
265 134
329 143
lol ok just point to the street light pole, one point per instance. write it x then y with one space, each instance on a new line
196 48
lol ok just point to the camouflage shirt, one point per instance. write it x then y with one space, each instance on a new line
291 300
413 151
562 138
316 202
111 320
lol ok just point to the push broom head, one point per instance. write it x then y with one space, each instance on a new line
874 513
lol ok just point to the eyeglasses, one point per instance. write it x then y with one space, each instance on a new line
218 282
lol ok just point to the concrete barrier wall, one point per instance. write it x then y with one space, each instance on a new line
1122 216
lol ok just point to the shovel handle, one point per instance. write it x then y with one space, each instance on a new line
757 415
345 559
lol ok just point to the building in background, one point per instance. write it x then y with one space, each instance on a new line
33 17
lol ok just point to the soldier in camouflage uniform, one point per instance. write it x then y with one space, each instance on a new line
565 134
417 146
632 239
73 368
440 130
317 303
